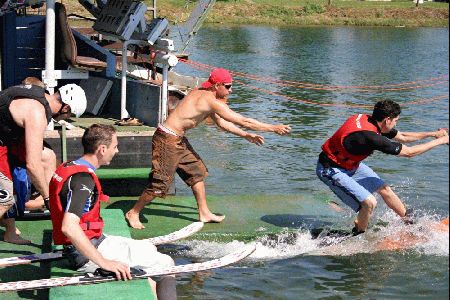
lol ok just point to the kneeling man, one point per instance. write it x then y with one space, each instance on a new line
75 196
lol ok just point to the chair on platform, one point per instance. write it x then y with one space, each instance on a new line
66 49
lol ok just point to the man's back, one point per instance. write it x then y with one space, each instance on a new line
21 103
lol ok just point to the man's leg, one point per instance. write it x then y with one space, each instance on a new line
142 254
365 213
392 200
166 288
354 189
165 157
12 233
132 215
49 163
6 202
204 214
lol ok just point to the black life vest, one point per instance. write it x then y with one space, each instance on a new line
10 132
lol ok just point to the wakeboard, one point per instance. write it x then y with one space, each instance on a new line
159 240
103 276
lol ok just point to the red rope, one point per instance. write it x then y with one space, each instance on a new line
362 88
417 101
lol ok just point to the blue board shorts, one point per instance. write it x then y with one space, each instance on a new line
22 189
352 187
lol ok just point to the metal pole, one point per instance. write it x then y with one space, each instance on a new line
63 143
50 46
123 96
164 94
167 60
154 9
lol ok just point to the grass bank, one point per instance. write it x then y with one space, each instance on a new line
316 12
305 12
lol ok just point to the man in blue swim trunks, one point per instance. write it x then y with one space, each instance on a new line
340 162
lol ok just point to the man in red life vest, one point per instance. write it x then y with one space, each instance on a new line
340 164
25 111
75 196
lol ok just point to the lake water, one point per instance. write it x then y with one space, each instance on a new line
285 166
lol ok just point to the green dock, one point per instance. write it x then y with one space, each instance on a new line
247 218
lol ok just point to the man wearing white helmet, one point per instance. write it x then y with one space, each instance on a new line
25 111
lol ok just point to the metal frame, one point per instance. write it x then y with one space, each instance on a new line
50 75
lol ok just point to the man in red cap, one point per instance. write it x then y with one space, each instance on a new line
171 151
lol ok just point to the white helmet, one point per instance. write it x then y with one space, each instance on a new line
74 96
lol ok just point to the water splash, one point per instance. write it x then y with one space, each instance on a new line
388 234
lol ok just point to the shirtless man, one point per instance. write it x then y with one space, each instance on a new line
25 111
171 151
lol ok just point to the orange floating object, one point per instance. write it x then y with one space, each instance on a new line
405 240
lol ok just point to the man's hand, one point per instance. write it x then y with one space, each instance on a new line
281 129
122 270
441 132
444 139
255 139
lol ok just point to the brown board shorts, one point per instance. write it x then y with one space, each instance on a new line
172 154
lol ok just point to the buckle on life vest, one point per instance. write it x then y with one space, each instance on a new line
92 225
103 198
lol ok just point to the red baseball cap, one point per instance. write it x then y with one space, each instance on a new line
218 75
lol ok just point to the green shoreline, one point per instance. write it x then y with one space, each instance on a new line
305 12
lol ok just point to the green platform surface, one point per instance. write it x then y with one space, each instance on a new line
136 289
247 217
122 173
40 233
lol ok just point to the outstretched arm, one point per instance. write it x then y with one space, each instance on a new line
226 113
421 148
230 127
408 137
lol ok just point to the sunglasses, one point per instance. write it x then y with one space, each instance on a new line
227 86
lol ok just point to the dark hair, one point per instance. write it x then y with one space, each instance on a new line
384 109
96 135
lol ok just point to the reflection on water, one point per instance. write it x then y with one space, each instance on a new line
285 165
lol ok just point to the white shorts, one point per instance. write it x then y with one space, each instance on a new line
140 254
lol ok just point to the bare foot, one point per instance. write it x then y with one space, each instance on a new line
35 204
133 220
211 218
336 207
3 224
15 239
